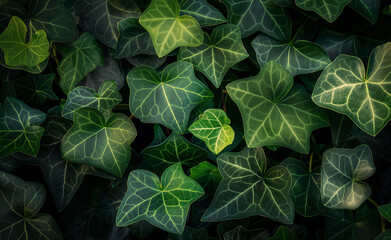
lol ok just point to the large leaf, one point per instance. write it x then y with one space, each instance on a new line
217 54
20 203
172 150
327 9
166 99
364 96
169 30
369 9
94 141
342 173
18 128
202 11
164 203
213 128
259 15
247 189
106 98
18 52
78 59
207 175
275 111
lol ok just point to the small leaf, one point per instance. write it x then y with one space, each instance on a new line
241 233
327 9
202 11
284 233
207 175
164 203
385 211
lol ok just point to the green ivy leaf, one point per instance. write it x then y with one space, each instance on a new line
169 30
18 128
369 9
327 9
342 173
385 211
20 203
202 11
247 189
299 57
164 204
172 150
152 61
207 175
365 97
241 233
94 141
217 54
213 128
18 52
106 98
192 234
166 99
78 59
275 111
384 235
283 233
259 15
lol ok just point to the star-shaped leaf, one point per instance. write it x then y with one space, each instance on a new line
172 150
18 52
207 175
217 54
169 30
106 98
327 9
167 98
202 11
213 128
164 203
364 96
275 111
18 128
94 141
247 189
342 173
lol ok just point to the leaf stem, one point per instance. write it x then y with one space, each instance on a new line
311 157
298 31
224 97
54 54
383 222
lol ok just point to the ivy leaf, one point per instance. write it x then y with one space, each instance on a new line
55 129
164 204
365 97
384 235
241 233
247 189
213 128
20 202
18 128
152 61
300 57
327 9
283 233
275 111
192 234
18 52
342 173
78 59
35 70
259 15
202 11
106 98
207 175
369 9
217 54
169 30
94 141
167 99
172 150
385 211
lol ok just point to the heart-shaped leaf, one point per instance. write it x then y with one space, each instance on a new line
365 96
247 189
207 175
213 128
217 54
385 211
169 30
369 9
342 173
164 203
18 128
202 11
327 9
18 52
167 99
94 141
275 111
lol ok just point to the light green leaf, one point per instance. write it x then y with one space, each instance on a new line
106 98
207 175
275 111
103 144
169 30
213 128
247 189
35 70
172 150
164 203
369 9
18 52
365 97
18 128
241 233
167 98
217 54
327 9
342 173
385 211
283 233
20 203
78 59
202 11
259 15
299 57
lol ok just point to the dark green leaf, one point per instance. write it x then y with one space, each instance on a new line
202 11
327 9
207 175
385 211
152 61
284 233
386 235
369 9
241 233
